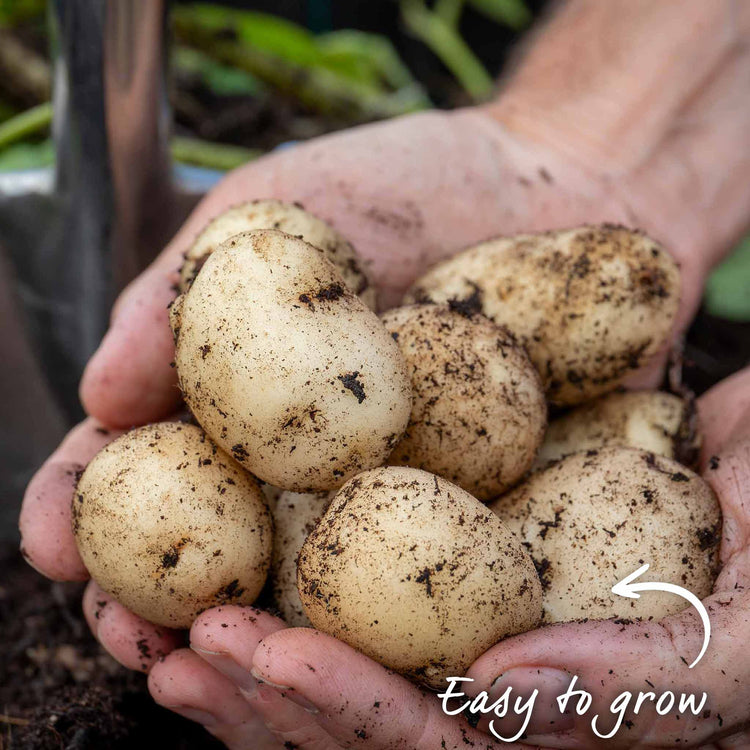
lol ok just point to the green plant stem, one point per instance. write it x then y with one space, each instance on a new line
34 121
448 45
449 11
210 155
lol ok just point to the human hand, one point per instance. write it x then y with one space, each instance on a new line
406 193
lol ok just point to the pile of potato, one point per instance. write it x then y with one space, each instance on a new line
417 504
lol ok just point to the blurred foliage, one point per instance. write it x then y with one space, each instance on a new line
438 28
219 79
346 74
350 75
728 288
14 12
27 155
512 13
219 156
28 123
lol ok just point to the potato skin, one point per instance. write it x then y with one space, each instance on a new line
654 421
594 517
286 368
170 525
479 411
416 573
590 305
287 217
295 516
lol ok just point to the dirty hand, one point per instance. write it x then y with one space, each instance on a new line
408 193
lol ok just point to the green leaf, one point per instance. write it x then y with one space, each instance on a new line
375 52
261 31
450 11
322 77
27 156
727 292
512 13
221 79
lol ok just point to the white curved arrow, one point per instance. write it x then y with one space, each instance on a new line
626 587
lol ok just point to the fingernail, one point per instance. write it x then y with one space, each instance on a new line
195 714
224 663
288 692
546 717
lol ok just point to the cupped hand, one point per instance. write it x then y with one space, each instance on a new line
406 193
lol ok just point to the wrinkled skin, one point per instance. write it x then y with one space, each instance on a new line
407 193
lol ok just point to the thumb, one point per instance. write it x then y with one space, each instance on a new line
626 668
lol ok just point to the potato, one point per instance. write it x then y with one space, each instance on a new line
170 525
287 217
654 421
595 517
416 573
590 304
479 412
295 516
286 368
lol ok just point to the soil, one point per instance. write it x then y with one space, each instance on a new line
58 689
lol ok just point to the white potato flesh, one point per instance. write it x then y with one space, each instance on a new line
416 573
170 525
286 217
654 421
479 410
286 368
590 305
595 517
295 516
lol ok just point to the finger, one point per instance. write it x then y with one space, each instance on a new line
134 642
359 702
721 410
291 724
609 658
741 740
226 638
129 380
728 473
187 685
45 523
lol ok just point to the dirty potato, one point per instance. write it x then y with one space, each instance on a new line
285 367
170 525
295 516
595 517
416 573
590 305
479 412
287 217
652 420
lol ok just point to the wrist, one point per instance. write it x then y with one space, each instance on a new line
603 83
